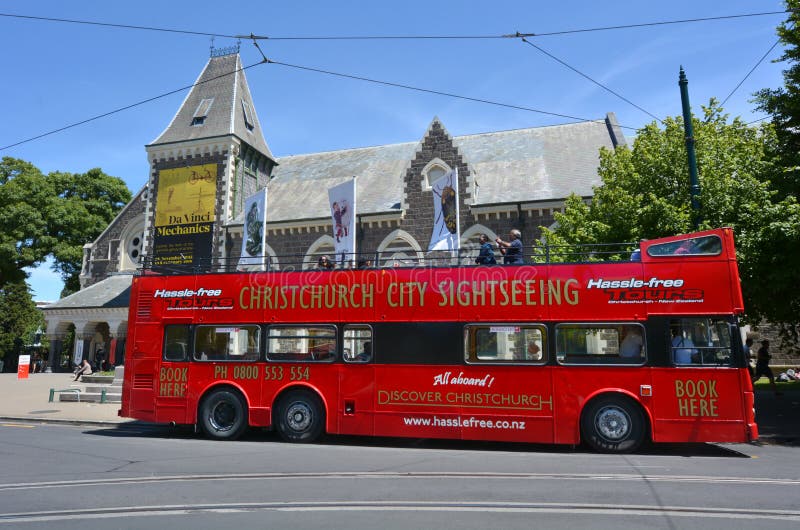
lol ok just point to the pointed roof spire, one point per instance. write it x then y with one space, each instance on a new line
218 104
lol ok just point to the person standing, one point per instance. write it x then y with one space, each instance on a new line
632 344
486 254
512 249
682 347
762 365
748 354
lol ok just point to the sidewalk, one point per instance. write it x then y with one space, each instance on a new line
27 399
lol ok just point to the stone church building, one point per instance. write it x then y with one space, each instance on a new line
216 143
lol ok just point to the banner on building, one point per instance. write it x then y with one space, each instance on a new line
343 213
446 232
254 235
77 350
184 216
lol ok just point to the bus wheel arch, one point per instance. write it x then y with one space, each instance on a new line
613 422
222 413
299 415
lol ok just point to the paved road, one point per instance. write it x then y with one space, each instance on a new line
136 475
79 465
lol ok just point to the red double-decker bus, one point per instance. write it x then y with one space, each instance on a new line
609 353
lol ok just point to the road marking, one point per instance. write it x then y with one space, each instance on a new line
18 425
359 475
405 506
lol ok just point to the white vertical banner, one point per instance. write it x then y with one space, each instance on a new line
254 236
78 350
342 199
446 232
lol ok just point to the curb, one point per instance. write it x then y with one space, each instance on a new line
68 421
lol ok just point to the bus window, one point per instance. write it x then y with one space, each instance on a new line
701 342
504 343
301 343
226 343
696 246
176 342
357 344
604 344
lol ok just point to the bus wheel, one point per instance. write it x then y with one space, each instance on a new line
613 424
223 415
299 417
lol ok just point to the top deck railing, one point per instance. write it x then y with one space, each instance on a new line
464 257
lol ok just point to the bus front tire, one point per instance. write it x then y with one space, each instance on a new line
613 424
223 415
300 417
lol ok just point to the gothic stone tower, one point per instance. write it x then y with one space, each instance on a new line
208 160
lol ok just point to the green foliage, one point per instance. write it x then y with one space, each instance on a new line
52 215
645 195
783 104
19 318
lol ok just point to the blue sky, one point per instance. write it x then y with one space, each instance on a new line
57 74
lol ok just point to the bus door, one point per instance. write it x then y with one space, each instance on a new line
141 371
355 406
172 380
701 397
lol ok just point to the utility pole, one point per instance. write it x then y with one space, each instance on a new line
694 186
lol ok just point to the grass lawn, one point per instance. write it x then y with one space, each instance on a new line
790 386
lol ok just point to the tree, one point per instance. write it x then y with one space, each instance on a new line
19 318
783 104
87 203
25 195
645 195
52 215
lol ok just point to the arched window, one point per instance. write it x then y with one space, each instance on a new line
324 246
433 171
400 249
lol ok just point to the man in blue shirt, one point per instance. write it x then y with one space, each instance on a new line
511 250
486 254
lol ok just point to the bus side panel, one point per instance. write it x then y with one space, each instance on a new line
516 405
698 405
578 384
413 401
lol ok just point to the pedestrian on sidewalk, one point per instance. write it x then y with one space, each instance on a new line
762 366
84 369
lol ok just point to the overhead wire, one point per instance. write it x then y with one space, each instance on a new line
126 107
601 85
431 91
750 72
265 60
112 25
396 37
386 83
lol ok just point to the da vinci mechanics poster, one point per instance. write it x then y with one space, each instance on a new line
184 216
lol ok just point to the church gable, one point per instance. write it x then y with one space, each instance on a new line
435 156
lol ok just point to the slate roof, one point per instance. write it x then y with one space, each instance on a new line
522 165
226 115
113 292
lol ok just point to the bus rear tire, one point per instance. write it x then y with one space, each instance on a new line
613 424
299 417
223 415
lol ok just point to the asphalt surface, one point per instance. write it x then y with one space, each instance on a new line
778 417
